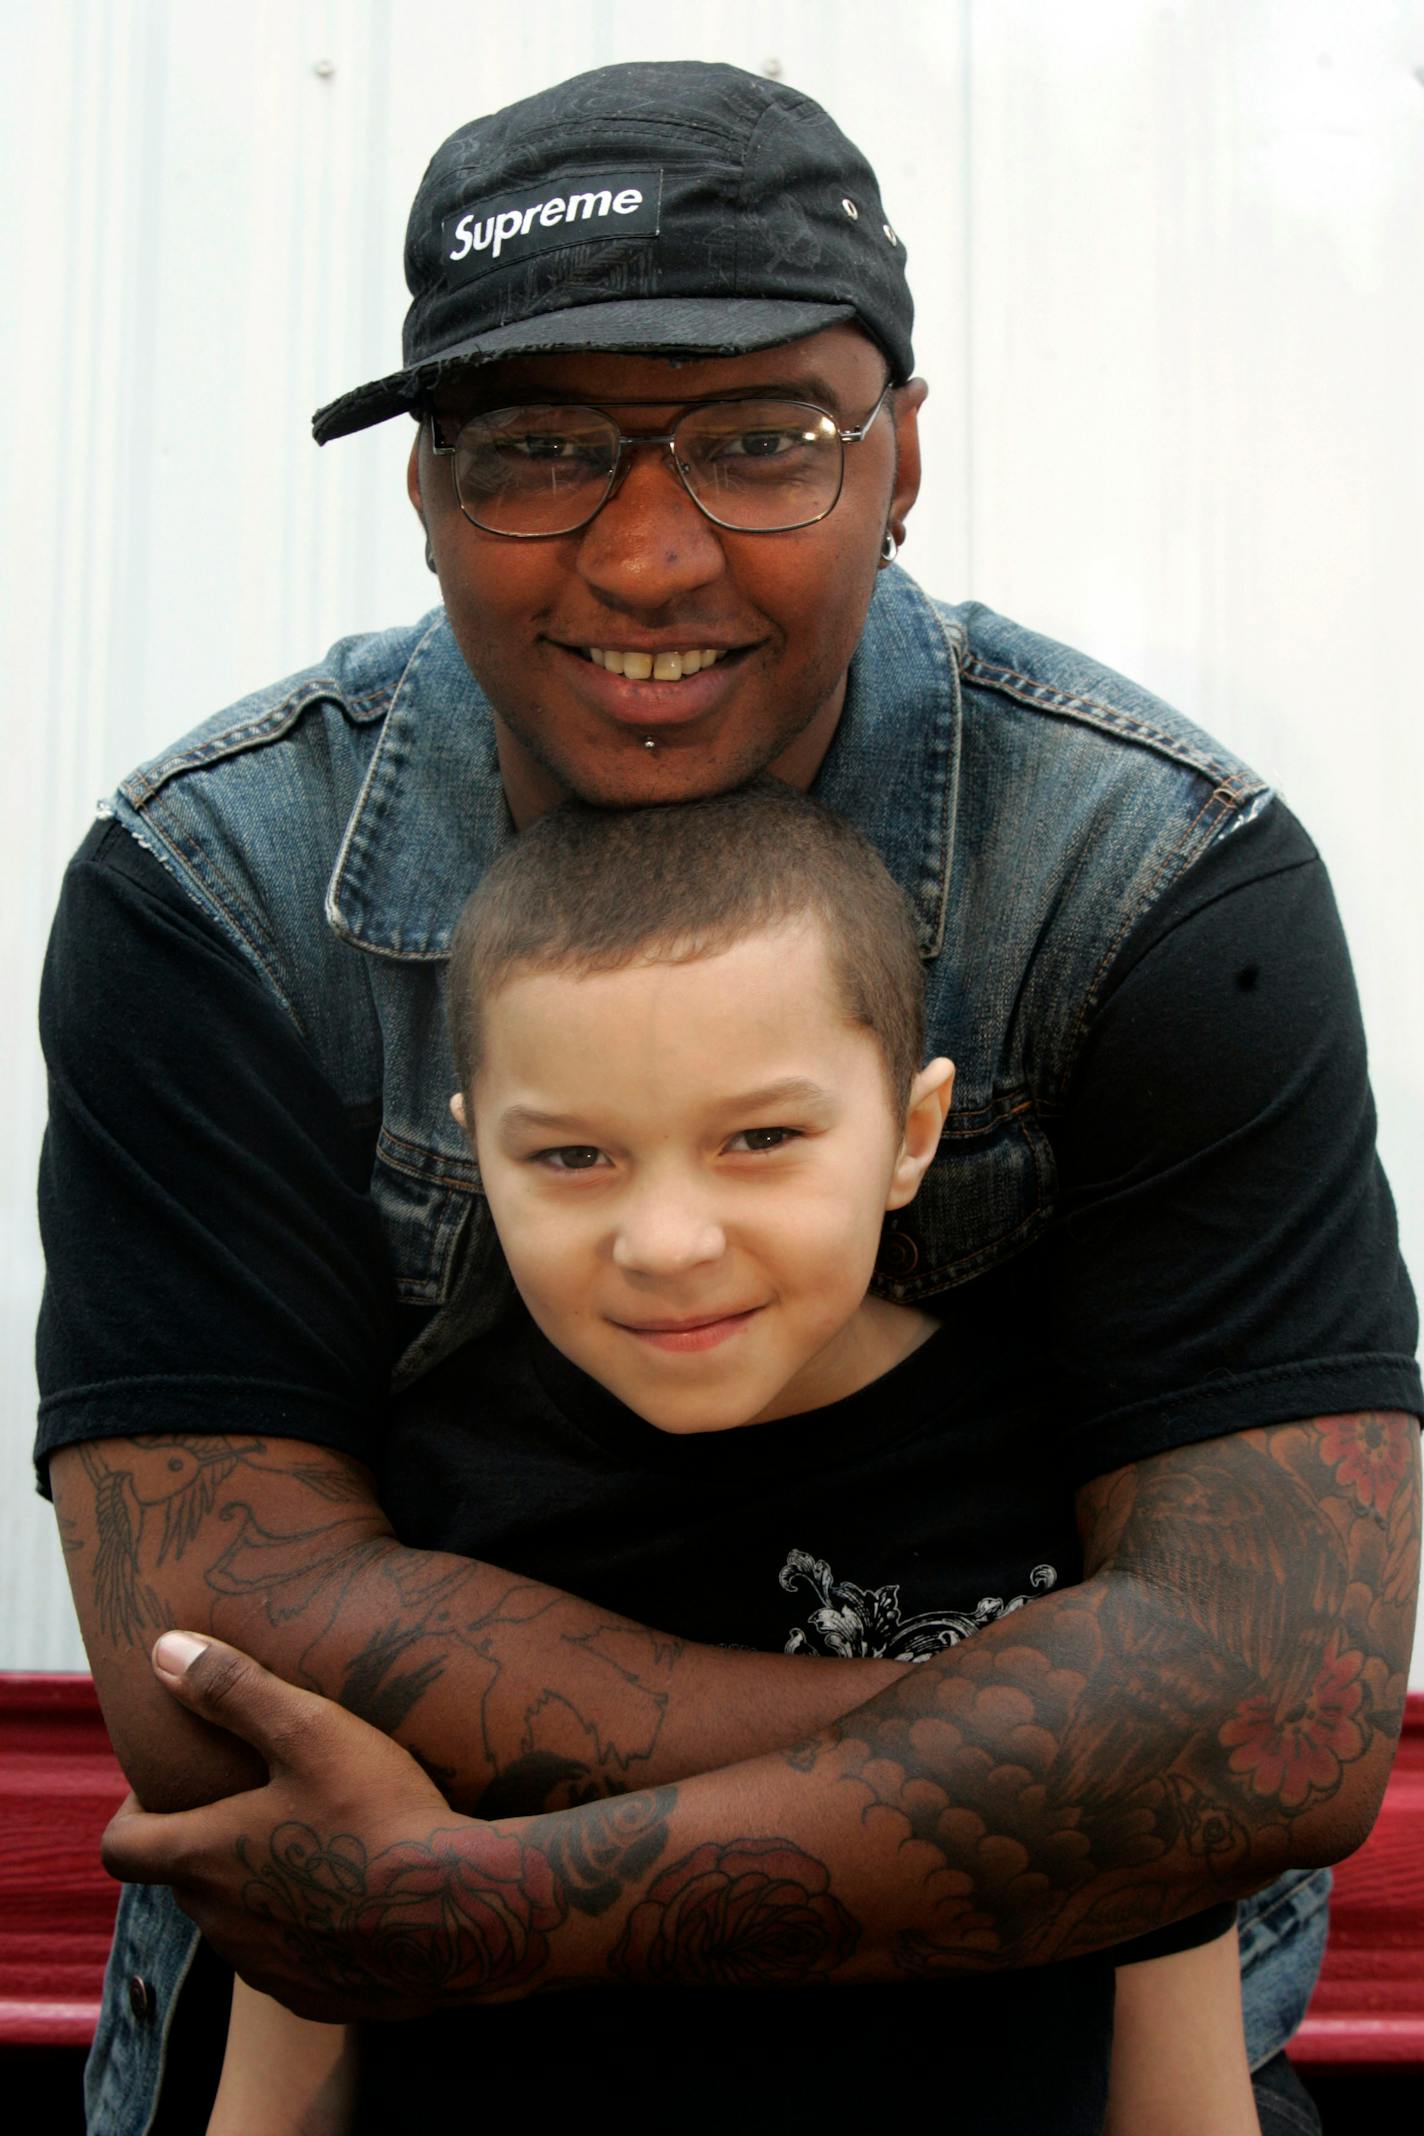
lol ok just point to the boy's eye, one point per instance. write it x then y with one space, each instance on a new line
573 1157
757 1139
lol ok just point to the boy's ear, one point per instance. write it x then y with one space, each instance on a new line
925 1116
457 1112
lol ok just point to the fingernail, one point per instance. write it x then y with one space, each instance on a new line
176 1652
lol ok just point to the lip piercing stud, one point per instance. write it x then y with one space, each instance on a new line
648 742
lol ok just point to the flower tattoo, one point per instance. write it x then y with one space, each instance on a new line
750 1914
426 1916
595 1849
1294 1747
1369 1460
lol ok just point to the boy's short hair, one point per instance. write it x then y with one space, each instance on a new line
593 890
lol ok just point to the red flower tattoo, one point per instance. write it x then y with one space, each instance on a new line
1294 1747
1368 1459
752 1913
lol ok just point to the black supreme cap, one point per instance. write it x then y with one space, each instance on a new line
665 207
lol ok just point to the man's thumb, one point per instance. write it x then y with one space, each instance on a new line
237 1693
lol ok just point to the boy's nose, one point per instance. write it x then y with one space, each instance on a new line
665 1234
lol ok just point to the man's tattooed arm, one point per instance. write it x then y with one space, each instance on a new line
513 1696
1218 1700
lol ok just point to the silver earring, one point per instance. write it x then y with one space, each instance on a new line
889 548
430 563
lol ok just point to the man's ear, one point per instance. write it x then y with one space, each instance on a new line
412 475
925 1116
906 401
417 498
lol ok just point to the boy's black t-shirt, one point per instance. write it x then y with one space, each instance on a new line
895 1522
892 1523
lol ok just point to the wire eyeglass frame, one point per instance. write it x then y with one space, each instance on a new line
627 443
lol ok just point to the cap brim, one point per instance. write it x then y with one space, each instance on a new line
684 326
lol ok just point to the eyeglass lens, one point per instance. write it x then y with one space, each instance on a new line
760 466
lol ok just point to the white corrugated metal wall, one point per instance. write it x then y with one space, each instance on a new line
1171 297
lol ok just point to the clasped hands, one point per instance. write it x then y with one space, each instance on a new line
345 1886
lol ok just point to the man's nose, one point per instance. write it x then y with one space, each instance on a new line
649 544
666 1231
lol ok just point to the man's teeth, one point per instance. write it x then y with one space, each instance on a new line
660 667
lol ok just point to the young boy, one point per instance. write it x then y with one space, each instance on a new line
688 1044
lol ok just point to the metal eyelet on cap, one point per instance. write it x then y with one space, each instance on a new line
851 209
890 233
140 1998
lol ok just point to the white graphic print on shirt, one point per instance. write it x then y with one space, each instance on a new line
864 1623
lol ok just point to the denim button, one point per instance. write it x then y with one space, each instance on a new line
899 1254
140 1998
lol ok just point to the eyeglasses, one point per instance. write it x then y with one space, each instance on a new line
754 466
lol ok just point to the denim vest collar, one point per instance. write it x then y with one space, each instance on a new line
893 764
431 815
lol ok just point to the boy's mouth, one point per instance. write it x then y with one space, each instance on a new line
703 1333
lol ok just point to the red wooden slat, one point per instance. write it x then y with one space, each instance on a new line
1369 2005
60 1784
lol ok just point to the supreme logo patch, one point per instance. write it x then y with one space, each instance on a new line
490 233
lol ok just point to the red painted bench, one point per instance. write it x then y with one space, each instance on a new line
59 1785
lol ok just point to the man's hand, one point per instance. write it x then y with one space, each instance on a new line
331 1925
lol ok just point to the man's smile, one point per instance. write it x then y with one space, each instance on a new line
640 666
652 685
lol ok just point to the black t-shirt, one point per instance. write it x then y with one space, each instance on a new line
891 1524
896 1522
1225 1253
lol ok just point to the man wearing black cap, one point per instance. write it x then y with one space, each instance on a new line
659 356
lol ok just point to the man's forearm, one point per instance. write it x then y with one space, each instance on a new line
1218 1700
514 1696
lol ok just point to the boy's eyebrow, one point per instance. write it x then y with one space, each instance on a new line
791 1090
516 1118
795 1090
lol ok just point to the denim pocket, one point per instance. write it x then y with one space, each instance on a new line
988 1195
152 1950
1282 1936
424 1198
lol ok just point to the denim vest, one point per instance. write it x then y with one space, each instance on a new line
1031 804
